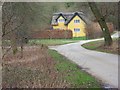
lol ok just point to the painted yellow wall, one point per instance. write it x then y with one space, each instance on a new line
60 25
80 25
73 25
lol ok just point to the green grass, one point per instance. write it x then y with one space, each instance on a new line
55 41
51 41
96 44
79 38
72 73
93 45
99 46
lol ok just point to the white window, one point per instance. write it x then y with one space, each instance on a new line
76 21
61 20
76 29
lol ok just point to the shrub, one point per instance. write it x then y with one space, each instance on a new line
93 30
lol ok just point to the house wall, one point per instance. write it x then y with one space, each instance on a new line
72 25
60 25
80 25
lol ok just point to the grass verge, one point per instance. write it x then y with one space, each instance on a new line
72 73
99 46
51 41
43 68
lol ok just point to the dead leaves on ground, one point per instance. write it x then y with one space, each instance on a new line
34 70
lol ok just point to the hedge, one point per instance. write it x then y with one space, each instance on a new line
52 34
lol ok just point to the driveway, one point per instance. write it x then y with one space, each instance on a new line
103 66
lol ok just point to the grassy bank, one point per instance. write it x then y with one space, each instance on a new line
72 73
99 46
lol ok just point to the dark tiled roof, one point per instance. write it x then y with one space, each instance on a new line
68 17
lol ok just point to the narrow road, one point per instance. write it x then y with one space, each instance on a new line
103 66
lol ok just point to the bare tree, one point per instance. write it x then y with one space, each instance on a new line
101 21
109 10
15 17
119 15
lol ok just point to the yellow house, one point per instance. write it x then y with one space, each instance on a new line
70 21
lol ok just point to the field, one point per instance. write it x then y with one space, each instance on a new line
43 68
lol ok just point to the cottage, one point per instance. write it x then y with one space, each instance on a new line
75 21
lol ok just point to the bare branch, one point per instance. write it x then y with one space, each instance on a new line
6 23
6 52
12 30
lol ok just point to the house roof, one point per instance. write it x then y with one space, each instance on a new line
61 15
68 17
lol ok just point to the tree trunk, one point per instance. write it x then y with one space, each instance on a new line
21 50
1 54
119 16
13 40
102 23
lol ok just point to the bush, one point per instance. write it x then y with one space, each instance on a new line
93 30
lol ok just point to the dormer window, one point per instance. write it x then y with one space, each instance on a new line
76 21
61 20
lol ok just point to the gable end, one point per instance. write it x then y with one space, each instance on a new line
60 15
75 14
